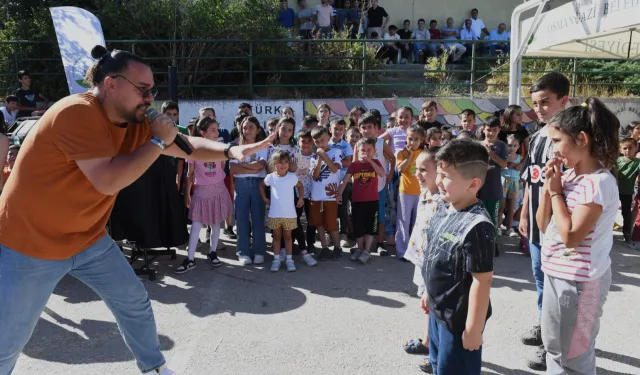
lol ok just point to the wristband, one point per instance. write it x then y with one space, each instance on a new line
226 151
555 195
158 142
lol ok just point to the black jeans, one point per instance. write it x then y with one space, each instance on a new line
343 209
298 233
626 203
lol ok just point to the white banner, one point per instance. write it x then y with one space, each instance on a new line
226 110
588 28
78 31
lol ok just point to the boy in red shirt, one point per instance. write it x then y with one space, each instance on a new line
365 172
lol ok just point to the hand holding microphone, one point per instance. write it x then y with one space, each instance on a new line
164 128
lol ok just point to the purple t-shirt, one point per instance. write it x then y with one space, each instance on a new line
398 138
208 173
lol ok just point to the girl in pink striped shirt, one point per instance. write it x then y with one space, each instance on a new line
577 211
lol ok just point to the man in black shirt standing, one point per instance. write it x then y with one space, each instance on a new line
378 19
549 94
27 97
405 33
458 262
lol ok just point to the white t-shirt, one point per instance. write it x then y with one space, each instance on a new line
282 199
476 25
382 180
347 151
304 173
589 260
260 155
325 188
387 36
9 117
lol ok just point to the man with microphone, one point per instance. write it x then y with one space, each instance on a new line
54 209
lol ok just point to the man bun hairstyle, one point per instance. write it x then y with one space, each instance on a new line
108 63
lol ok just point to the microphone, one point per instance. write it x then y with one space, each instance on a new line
152 114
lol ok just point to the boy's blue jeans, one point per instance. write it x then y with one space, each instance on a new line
250 216
446 353
26 284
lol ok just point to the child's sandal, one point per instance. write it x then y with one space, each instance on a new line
415 347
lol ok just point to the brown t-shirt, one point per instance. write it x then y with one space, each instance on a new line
49 209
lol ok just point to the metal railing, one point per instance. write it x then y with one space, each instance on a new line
311 68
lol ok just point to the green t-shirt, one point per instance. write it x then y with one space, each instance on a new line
627 174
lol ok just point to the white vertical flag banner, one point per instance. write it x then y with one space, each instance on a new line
78 31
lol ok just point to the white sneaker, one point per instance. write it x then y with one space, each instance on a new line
275 265
283 255
258 259
512 233
291 266
164 370
309 260
244 260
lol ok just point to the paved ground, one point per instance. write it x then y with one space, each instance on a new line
338 318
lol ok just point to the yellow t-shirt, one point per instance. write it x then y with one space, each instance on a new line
408 181
49 209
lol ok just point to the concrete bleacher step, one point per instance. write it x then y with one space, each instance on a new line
410 73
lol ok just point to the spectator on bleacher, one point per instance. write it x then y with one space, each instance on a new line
405 34
341 16
324 18
378 18
377 46
477 25
419 34
354 16
500 34
28 97
467 33
10 109
305 20
434 33
390 49
287 16
454 48
334 15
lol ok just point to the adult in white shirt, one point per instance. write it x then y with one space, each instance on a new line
324 18
10 110
421 33
477 24
499 34
467 33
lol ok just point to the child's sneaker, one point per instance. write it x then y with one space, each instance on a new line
364 257
355 254
337 253
230 233
283 255
244 260
186 266
213 259
426 366
275 265
511 233
291 266
164 370
258 259
325 254
308 259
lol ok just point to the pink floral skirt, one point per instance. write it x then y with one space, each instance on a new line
210 204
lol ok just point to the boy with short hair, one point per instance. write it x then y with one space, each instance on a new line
10 109
458 266
468 120
369 128
628 168
28 97
364 172
491 192
549 95
325 167
310 122
272 125
353 136
337 142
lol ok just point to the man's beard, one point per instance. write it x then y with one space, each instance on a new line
133 117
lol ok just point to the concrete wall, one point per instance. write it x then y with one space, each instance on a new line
492 12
